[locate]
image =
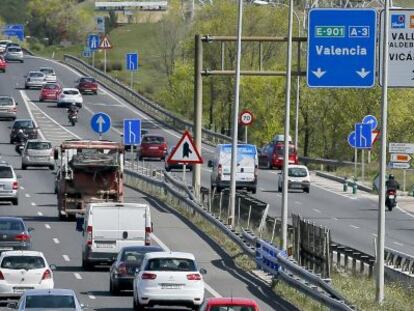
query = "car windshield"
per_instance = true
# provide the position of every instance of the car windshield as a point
(90, 80)
(171, 264)
(6, 172)
(47, 70)
(297, 172)
(14, 50)
(36, 74)
(6, 101)
(11, 224)
(23, 124)
(23, 262)
(153, 140)
(50, 301)
(38, 145)
(51, 86)
(231, 308)
(71, 92)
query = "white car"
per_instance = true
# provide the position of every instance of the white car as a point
(168, 278)
(69, 96)
(22, 270)
(49, 73)
(298, 178)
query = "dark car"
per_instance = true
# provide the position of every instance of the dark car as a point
(175, 166)
(27, 125)
(153, 146)
(122, 272)
(87, 85)
(14, 234)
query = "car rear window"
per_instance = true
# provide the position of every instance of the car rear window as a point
(50, 301)
(132, 256)
(38, 145)
(36, 74)
(232, 308)
(297, 172)
(14, 50)
(71, 92)
(11, 224)
(90, 80)
(153, 140)
(6, 101)
(6, 172)
(280, 150)
(51, 86)
(171, 264)
(23, 124)
(23, 262)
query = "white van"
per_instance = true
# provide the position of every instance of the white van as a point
(246, 173)
(107, 227)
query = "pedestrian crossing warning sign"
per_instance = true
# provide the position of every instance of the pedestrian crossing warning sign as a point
(185, 151)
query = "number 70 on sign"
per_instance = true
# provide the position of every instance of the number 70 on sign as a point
(246, 117)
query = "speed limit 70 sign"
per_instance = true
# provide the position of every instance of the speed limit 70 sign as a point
(246, 117)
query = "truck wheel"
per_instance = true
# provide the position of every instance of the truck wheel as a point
(86, 265)
(15, 201)
(24, 167)
(51, 167)
(253, 190)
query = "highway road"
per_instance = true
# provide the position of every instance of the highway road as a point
(62, 244)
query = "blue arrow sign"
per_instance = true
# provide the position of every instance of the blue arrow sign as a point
(371, 120)
(131, 61)
(93, 42)
(361, 138)
(14, 30)
(341, 48)
(100, 122)
(132, 132)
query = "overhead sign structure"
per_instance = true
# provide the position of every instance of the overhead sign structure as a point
(341, 48)
(14, 30)
(246, 117)
(400, 48)
(105, 44)
(361, 138)
(100, 123)
(401, 148)
(93, 42)
(399, 165)
(400, 157)
(185, 152)
(131, 61)
(132, 132)
(100, 24)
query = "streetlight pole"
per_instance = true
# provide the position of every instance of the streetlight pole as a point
(232, 199)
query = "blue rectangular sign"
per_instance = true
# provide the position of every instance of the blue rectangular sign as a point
(131, 61)
(132, 132)
(341, 48)
(363, 136)
(93, 42)
(14, 30)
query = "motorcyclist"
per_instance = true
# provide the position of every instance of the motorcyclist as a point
(73, 110)
(391, 183)
(21, 136)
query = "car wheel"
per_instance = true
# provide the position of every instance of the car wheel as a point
(196, 308)
(51, 167)
(22, 61)
(137, 306)
(26, 87)
(15, 201)
(24, 167)
(168, 169)
(140, 158)
(306, 190)
(86, 265)
(253, 190)
(40, 99)
(113, 288)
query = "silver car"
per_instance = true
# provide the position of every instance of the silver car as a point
(8, 107)
(9, 186)
(38, 152)
(14, 53)
(35, 79)
(49, 72)
(47, 299)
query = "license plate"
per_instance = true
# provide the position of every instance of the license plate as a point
(296, 186)
(105, 245)
(153, 148)
(391, 197)
(19, 290)
(2, 249)
(170, 286)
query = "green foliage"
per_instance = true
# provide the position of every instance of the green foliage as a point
(13, 11)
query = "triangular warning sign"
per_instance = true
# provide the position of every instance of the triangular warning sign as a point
(105, 44)
(185, 151)
(374, 136)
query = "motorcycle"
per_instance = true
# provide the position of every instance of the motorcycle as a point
(73, 118)
(19, 147)
(391, 199)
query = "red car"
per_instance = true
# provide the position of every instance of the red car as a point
(50, 91)
(3, 64)
(87, 85)
(239, 304)
(271, 155)
(152, 146)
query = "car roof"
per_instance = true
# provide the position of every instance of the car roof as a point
(10, 218)
(169, 255)
(142, 248)
(231, 301)
(87, 77)
(46, 68)
(69, 89)
(53, 291)
(22, 253)
(39, 141)
(22, 120)
(297, 166)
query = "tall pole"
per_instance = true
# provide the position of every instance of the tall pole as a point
(132, 79)
(297, 93)
(93, 58)
(105, 60)
(232, 199)
(379, 292)
(198, 109)
(362, 164)
(287, 127)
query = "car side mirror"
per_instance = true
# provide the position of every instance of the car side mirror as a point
(56, 154)
(79, 224)
(12, 305)
(210, 163)
(52, 267)
(203, 271)
(30, 229)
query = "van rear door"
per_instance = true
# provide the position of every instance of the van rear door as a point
(132, 223)
(105, 228)
(246, 163)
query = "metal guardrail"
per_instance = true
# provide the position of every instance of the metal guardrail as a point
(402, 262)
(330, 162)
(144, 104)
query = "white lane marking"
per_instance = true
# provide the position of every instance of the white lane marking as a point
(66, 258)
(374, 234)
(47, 226)
(39, 213)
(300, 203)
(355, 227)
(21, 187)
(405, 212)
(27, 195)
(27, 103)
(77, 276)
(317, 211)
(398, 243)
(56, 241)
(211, 290)
(160, 243)
(92, 297)
(33, 204)
(335, 218)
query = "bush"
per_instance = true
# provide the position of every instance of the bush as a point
(116, 66)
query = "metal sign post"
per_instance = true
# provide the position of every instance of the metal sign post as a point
(105, 60)
(362, 164)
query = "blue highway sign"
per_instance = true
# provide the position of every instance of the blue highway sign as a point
(131, 61)
(93, 42)
(100, 122)
(361, 138)
(132, 132)
(341, 48)
(14, 30)
(371, 120)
